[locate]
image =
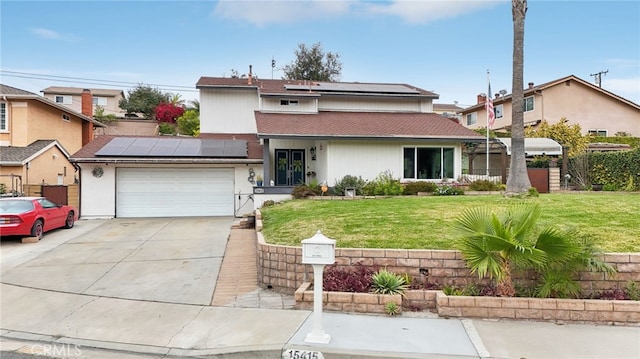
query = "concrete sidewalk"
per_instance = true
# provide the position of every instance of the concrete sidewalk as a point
(243, 323)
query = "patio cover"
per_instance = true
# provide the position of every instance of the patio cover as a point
(536, 146)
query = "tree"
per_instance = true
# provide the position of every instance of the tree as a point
(100, 115)
(493, 244)
(189, 123)
(167, 112)
(313, 64)
(194, 105)
(565, 134)
(518, 180)
(143, 99)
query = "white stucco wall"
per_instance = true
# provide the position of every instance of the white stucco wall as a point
(228, 110)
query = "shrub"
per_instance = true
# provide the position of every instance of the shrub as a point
(268, 203)
(485, 185)
(385, 282)
(384, 185)
(165, 128)
(412, 188)
(349, 181)
(356, 279)
(304, 191)
(448, 190)
(391, 308)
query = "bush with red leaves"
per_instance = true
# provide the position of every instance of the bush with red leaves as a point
(356, 279)
(166, 112)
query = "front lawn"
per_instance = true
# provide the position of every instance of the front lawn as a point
(411, 222)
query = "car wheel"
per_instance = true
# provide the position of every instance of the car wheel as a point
(38, 229)
(70, 220)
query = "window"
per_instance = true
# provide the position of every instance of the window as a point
(4, 117)
(428, 162)
(100, 101)
(65, 100)
(528, 104)
(498, 110)
(66, 117)
(601, 133)
(472, 118)
(288, 102)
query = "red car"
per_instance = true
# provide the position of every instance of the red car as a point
(32, 216)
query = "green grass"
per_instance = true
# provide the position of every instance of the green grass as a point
(613, 219)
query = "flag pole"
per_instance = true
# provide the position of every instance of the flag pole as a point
(487, 99)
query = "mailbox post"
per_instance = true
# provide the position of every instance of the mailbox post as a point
(318, 251)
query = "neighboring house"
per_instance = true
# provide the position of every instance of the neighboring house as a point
(36, 137)
(71, 97)
(596, 110)
(449, 110)
(290, 132)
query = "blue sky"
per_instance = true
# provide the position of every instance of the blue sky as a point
(443, 46)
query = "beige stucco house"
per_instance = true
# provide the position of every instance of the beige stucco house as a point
(595, 109)
(37, 137)
(71, 97)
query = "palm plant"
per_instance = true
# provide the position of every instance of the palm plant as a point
(494, 244)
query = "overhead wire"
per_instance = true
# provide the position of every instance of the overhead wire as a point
(89, 81)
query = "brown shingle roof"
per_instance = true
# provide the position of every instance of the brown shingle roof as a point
(78, 91)
(362, 125)
(9, 90)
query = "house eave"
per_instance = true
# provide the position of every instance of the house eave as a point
(140, 160)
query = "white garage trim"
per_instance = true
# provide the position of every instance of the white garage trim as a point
(174, 192)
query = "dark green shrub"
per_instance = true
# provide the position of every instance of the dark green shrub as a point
(165, 128)
(618, 169)
(484, 185)
(349, 181)
(304, 191)
(412, 188)
(383, 185)
(539, 162)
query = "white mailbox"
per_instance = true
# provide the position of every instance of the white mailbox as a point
(318, 250)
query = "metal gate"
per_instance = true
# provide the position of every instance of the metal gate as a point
(539, 178)
(58, 194)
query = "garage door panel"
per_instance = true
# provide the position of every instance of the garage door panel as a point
(166, 192)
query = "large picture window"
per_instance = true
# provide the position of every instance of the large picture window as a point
(428, 162)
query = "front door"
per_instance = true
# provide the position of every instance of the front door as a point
(289, 167)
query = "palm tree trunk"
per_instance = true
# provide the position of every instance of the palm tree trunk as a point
(505, 284)
(518, 180)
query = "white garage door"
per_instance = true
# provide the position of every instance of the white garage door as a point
(174, 192)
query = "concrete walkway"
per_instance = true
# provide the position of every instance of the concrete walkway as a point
(60, 298)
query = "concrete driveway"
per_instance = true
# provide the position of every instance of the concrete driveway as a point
(171, 260)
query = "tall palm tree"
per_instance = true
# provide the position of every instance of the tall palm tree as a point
(494, 244)
(518, 180)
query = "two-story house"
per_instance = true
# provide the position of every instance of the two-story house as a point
(595, 109)
(289, 132)
(71, 97)
(37, 136)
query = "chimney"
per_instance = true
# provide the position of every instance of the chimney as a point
(530, 85)
(87, 103)
(250, 77)
(481, 98)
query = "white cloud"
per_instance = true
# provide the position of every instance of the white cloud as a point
(421, 12)
(265, 12)
(51, 34)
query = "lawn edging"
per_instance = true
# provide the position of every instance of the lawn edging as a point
(346, 301)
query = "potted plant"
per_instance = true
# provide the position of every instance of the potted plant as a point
(259, 180)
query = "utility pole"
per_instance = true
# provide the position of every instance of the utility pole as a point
(598, 76)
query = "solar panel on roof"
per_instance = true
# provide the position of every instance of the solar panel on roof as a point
(354, 87)
(173, 147)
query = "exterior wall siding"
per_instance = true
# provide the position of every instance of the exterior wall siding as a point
(374, 104)
(228, 111)
(362, 158)
(45, 122)
(272, 104)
